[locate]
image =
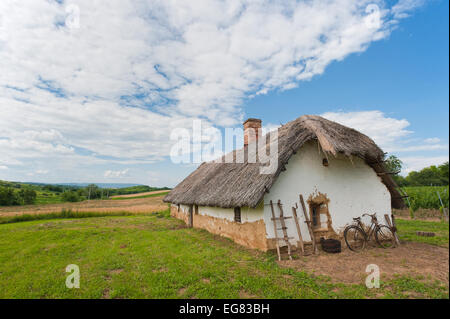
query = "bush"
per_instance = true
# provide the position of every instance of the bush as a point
(27, 196)
(70, 196)
(8, 197)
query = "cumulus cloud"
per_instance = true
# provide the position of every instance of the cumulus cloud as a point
(385, 131)
(392, 136)
(114, 85)
(416, 163)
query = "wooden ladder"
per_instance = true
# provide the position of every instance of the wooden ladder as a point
(308, 222)
(283, 227)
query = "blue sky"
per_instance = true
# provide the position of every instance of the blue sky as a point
(405, 75)
(92, 93)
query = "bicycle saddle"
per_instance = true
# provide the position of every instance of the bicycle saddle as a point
(357, 218)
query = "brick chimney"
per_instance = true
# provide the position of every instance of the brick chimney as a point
(252, 129)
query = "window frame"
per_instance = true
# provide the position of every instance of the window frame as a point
(237, 215)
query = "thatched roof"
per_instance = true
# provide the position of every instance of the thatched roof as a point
(230, 185)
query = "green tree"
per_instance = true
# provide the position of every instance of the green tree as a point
(443, 172)
(394, 164)
(8, 197)
(93, 191)
(70, 196)
(427, 176)
(27, 196)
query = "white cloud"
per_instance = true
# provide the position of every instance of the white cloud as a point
(403, 8)
(432, 140)
(116, 174)
(115, 87)
(3, 167)
(385, 131)
(416, 163)
(389, 133)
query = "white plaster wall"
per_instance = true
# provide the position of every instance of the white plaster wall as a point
(247, 214)
(352, 187)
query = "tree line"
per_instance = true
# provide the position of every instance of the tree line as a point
(428, 176)
(14, 193)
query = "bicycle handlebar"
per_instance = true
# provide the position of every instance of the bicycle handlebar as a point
(370, 215)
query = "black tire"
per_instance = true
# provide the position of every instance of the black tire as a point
(384, 237)
(355, 238)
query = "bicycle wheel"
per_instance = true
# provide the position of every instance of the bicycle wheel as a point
(384, 237)
(355, 238)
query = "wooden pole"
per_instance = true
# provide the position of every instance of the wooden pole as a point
(300, 239)
(275, 230)
(190, 217)
(391, 225)
(308, 222)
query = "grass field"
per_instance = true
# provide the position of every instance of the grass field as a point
(155, 256)
(408, 229)
(47, 198)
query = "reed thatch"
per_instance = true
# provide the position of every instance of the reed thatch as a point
(230, 185)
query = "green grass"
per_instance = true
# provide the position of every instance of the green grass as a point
(141, 196)
(47, 198)
(155, 256)
(63, 214)
(407, 231)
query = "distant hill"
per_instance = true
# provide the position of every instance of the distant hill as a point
(101, 185)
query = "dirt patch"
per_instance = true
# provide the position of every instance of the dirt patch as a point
(105, 294)
(181, 291)
(159, 270)
(206, 280)
(116, 271)
(410, 258)
(245, 295)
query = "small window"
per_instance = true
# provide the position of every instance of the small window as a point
(178, 207)
(315, 216)
(237, 214)
(196, 209)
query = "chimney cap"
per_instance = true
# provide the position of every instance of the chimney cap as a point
(253, 120)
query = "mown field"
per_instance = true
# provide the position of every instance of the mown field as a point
(156, 256)
(146, 204)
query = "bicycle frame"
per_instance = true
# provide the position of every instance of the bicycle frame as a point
(372, 228)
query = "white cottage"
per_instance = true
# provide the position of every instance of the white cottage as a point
(338, 170)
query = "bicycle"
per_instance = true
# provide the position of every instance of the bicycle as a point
(356, 237)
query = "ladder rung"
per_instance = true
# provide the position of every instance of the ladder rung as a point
(284, 217)
(284, 238)
(281, 228)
